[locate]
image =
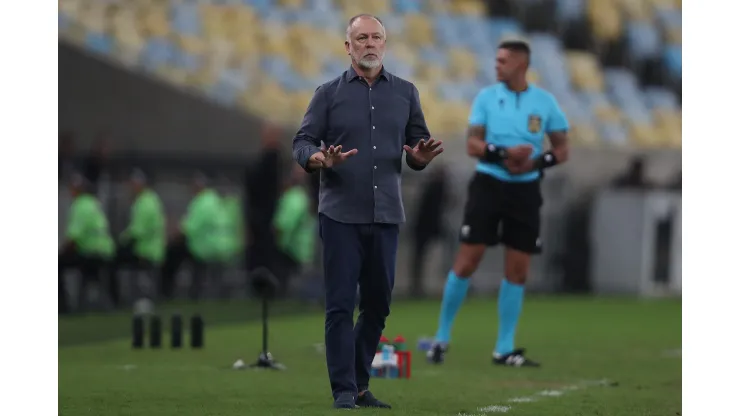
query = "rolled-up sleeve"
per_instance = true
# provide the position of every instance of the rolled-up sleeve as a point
(308, 138)
(416, 128)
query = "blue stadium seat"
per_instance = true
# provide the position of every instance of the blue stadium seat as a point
(661, 98)
(185, 19)
(570, 10)
(614, 134)
(99, 42)
(672, 59)
(64, 21)
(643, 40)
(230, 84)
(408, 6)
(156, 52)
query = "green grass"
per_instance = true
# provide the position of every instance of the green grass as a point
(577, 339)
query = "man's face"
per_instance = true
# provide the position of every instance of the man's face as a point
(509, 64)
(366, 44)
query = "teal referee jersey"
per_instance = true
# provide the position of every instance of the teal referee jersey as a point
(515, 118)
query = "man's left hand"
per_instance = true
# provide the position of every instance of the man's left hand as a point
(424, 151)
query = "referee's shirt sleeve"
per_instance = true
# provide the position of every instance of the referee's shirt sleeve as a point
(477, 115)
(556, 120)
(313, 128)
(416, 128)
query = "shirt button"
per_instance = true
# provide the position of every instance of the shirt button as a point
(374, 147)
(373, 127)
(376, 186)
(372, 108)
(371, 89)
(375, 167)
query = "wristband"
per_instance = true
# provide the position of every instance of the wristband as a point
(546, 160)
(494, 154)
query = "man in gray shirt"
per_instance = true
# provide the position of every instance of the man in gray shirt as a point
(366, 118)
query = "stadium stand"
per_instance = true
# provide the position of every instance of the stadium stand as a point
(268, 56)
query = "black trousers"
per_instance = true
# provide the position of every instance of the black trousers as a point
(126, 258)
(177, 254)
(422, 241)
(92, 268)
(363, 254)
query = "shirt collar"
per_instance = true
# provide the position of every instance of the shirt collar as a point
(351, 75)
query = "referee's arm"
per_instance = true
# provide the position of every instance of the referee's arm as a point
(557, 131)
(476, 143)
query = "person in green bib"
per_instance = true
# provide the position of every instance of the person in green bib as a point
(295, 228)
(233, 223)
(199, 240)
(87, 246)
(142, 243)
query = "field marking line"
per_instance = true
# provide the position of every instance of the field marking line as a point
(539, 396)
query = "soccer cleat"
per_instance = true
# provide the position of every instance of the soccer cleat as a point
(368, 400)
(436, 354)
(345, 401)
(515, 358)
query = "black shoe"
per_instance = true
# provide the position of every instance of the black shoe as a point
(368, 400)
(515, 358)
(345, 401)
(436, 354)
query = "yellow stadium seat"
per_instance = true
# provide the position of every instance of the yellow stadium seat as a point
(299, 103)
(662, 4)
(406, 53)
(533, 76)
(605, 19)
(129, 44)
(352, 8)
(468, 7)
(674, 35)
(637, 9)
(438, 6)
(643, 135)
(177, 76)
(463, 64)
(453, 118)
(291, 4)
(419, 30)
(432, 74)
(608, 113)
(584, 134)
(585, 71)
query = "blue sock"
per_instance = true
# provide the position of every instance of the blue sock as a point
(455, 291)
(510, 298)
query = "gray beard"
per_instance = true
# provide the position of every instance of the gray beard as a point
(369, 63)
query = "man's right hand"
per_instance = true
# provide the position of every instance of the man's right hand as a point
(328, 158)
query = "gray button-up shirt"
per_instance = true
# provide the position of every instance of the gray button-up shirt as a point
(376, 120)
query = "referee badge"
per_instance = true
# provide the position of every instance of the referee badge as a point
(534, 124)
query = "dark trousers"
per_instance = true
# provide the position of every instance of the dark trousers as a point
(91, 268)
(176, 255)
(363, 254)
(422, 241)
(127, 259)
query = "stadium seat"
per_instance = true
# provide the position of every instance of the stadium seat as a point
(268, 56)
(585, 71)
(419, 31)
(605, 18)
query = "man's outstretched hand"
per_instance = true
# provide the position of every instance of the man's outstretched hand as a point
(424, 151)
(330, 157)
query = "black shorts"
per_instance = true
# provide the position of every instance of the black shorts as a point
(502, 212)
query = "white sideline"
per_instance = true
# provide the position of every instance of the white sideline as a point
(482, 411)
